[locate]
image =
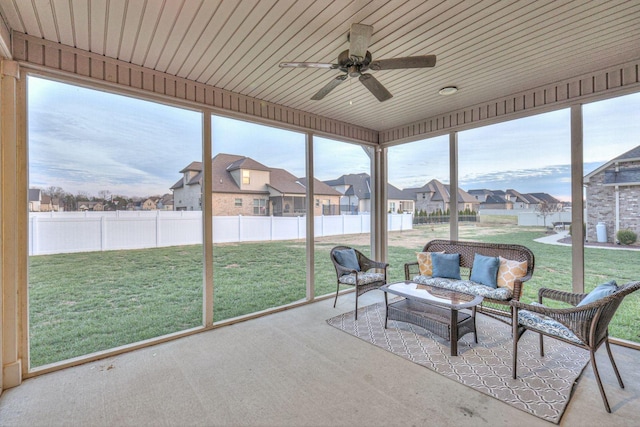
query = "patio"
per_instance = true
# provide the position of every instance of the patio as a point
(204, 379)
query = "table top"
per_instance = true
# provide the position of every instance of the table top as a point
(432, 295)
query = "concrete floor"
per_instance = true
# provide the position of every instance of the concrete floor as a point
(289, 369)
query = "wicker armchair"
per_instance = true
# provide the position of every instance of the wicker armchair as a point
(584, 326)
(364, 280)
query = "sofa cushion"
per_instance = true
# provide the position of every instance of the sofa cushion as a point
(466, 287)
(425, 264)
(509, 271)
(485, 270)
(365, 278)
(347, 258)
(599, 292)
(446, 265)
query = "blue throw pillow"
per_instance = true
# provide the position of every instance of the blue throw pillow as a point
(485, 270)
(348, 259)
(446, 265)
(600, 291)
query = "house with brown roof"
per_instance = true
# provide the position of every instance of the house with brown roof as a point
(243, 186)
(355, 189)
(434, 196)
(613, 196)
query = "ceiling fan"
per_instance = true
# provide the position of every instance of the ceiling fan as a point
(357, 59)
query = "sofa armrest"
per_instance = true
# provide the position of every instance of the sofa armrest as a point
(558, 295)
(411, 270)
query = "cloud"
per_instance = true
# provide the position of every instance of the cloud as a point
(88, 140)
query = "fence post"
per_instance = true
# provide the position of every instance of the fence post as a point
(34, 235)
(239, 228)
(157, 229)
(270, 227)
(103, 231)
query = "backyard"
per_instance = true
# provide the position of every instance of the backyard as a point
(87, 302)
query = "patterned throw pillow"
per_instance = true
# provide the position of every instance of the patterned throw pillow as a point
(425, 263)
(509, 271)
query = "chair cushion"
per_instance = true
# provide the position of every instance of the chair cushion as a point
(542, 323)
(347, 258)
(599, 292)
(446, 265)
(466, 287)
(485, 270)
(364, 278)
(509, 271)
(425, 263)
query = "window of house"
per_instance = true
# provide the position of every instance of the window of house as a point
(238, 203)
(246, 177)
(259, 206)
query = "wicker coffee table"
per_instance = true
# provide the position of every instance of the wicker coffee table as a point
(434, 309)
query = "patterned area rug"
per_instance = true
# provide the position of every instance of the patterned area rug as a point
(544, 384)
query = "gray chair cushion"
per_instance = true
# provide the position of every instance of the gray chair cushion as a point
(542, 323)
(364, 278)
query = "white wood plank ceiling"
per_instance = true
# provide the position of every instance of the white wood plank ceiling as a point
(487, 48)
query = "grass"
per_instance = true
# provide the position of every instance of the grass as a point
(87, 302)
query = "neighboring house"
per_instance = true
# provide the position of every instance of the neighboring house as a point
(496, 202)
(243, 186)
(481, 195)
(520, 201)
(434, 196)
(39, 202)
(554, 204)
(165, 203)
(150, 204)
(613, 196)
(86, 205)
(356, 195)
(492, 199)
(35, 195)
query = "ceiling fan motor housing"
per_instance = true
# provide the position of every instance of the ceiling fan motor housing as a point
(352, 65)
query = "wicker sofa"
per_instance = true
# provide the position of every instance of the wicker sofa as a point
(496, 300)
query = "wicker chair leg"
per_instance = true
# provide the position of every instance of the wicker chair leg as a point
(613, 363)
(514, 366)
(541, 345)
(336, 299)
(595, 371)
(356, 312)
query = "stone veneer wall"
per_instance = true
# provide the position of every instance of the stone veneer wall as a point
(601, 206)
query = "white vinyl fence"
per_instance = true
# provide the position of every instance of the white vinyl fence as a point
(65, 232)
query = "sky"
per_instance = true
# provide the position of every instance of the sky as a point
(89, 141)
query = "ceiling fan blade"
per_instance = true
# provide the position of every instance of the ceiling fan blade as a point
(329, 87)
(375, 87)
(308, 65)
(359, 38)
(423, 61)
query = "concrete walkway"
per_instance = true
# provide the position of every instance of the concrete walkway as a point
(554, 239)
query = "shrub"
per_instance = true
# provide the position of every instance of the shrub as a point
(626, 237)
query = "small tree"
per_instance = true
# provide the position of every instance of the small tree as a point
(545, 209)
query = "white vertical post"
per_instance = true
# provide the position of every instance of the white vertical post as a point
(103, 233)
(157, 229)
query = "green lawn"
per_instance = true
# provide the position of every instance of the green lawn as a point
(87, 302)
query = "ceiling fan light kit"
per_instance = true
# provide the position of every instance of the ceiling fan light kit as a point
(357, 59)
